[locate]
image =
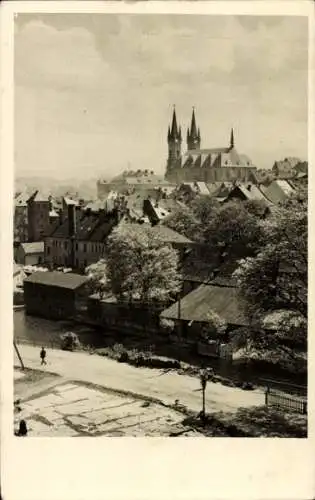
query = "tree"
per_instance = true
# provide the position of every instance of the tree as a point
(97, 277)
(274, 282)
(69, 341)
(216, 326)
(140, 266)
(185, 222)
(203, 208)
(233, 231)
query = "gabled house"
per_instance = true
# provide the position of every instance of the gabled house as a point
(30, 254)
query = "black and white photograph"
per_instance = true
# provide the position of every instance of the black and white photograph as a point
(160, 242)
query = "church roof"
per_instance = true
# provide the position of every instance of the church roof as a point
(216, 157)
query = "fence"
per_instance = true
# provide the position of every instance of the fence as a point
(285, 386)
(289, 402)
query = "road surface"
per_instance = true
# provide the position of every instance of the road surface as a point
(147, 382)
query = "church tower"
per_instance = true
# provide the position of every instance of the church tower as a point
(193, 135)
(174, 140)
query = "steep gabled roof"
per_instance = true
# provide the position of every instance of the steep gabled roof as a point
(277, 191)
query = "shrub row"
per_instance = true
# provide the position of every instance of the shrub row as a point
(119, 353)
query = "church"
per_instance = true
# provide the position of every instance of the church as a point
(222, 164)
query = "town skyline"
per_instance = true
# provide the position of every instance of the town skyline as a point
(96, 118)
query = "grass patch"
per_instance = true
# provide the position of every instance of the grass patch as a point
(32, 376)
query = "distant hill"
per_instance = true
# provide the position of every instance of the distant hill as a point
(57, 187)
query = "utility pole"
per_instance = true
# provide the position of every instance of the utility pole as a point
(18, 354)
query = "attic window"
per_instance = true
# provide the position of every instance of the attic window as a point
(226, 163)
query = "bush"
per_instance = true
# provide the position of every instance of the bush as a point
(69, 341)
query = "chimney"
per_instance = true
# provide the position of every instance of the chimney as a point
(72, 220)
(72, 233)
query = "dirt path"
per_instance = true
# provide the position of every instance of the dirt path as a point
(166, 387)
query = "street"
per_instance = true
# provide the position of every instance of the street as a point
(151, 383)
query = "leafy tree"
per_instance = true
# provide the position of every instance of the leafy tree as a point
(274, 282)
(276, 278)
(203, 208)
(185, 222)
(97, 277)
(233, 231)
(216, 326)
(69, 341)
(140, 266)
(258, 208)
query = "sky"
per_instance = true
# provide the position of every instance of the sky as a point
(94, 93)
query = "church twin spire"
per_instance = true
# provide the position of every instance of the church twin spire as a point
(193, 133)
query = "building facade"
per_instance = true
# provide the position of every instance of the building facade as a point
(30, 254)
(203, 165)
(20, 221)
(79, 240)
(38, 213)
(130, 182)
(54, 295)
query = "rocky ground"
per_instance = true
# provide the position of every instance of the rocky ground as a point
(53, 406)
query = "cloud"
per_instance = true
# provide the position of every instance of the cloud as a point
(46, 57)
(98, 89)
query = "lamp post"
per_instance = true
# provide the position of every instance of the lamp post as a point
(203, 382)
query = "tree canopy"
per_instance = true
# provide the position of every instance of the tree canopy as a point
(140, 266)
(274, 282)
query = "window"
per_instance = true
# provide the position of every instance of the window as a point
(48, 250)
(85, 263)
(76, 246)
(65, 245)
(84, 247)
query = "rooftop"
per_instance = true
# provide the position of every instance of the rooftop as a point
(57, 279)
(34, 247)
(163, 233)
(206, 299)
(89, 226)
(277, 191)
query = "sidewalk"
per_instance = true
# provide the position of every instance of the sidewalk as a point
(166, 387)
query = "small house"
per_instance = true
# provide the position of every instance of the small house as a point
(191, 313)
(30, 254)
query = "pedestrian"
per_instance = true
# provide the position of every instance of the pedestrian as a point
(22, 429)
(43, 356)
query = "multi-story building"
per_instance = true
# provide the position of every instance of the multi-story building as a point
(130, 182)
(204, 165)
(38, 213)
(21, 218)
(79, 240)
